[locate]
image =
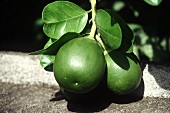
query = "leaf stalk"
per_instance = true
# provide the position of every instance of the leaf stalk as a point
(93, 28)
(102, 44)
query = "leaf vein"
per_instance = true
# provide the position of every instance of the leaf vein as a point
(107, 33)
(72, 18)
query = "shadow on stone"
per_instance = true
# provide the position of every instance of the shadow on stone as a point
(58, 96)
(87, 107)
(143, 65)
(161, 73)
(102, 101)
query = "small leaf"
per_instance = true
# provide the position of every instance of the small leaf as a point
(127, 33)
(61, 17)
(153, 2)
(46, 61)
(50, 41)
(109, 29)
(148, 50)
(55, 46)
(118, 5)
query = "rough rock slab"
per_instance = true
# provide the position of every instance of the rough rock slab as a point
(37, 99)
(21, 68)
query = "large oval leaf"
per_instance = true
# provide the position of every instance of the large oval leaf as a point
(51, 49)
(109, 29)
(153, 2)
(127, 33)
(61, 17)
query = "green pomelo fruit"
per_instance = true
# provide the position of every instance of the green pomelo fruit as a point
(79, 65)
(123, 72)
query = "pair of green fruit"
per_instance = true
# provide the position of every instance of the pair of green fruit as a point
(81, 69)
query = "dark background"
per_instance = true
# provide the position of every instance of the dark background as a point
(18, 31)
(17, 25)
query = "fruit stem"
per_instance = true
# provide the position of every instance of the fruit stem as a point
(93, 28)
(102, 44)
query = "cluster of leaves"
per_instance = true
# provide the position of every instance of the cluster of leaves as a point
(148, 44)
(153, 48)
(64, 21)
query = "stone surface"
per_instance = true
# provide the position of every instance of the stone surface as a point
(157, 80)
(22, 68)
(37, 99)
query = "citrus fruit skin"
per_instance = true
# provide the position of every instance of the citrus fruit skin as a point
(79, 65)
(123, 72)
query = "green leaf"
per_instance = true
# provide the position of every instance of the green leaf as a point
(127, 33)
(109, 29)
(153, 2)
(56, 45)
(46, 61)
(61, 17)
(50, 41)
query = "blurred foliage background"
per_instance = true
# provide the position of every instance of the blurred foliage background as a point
(21, 25)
